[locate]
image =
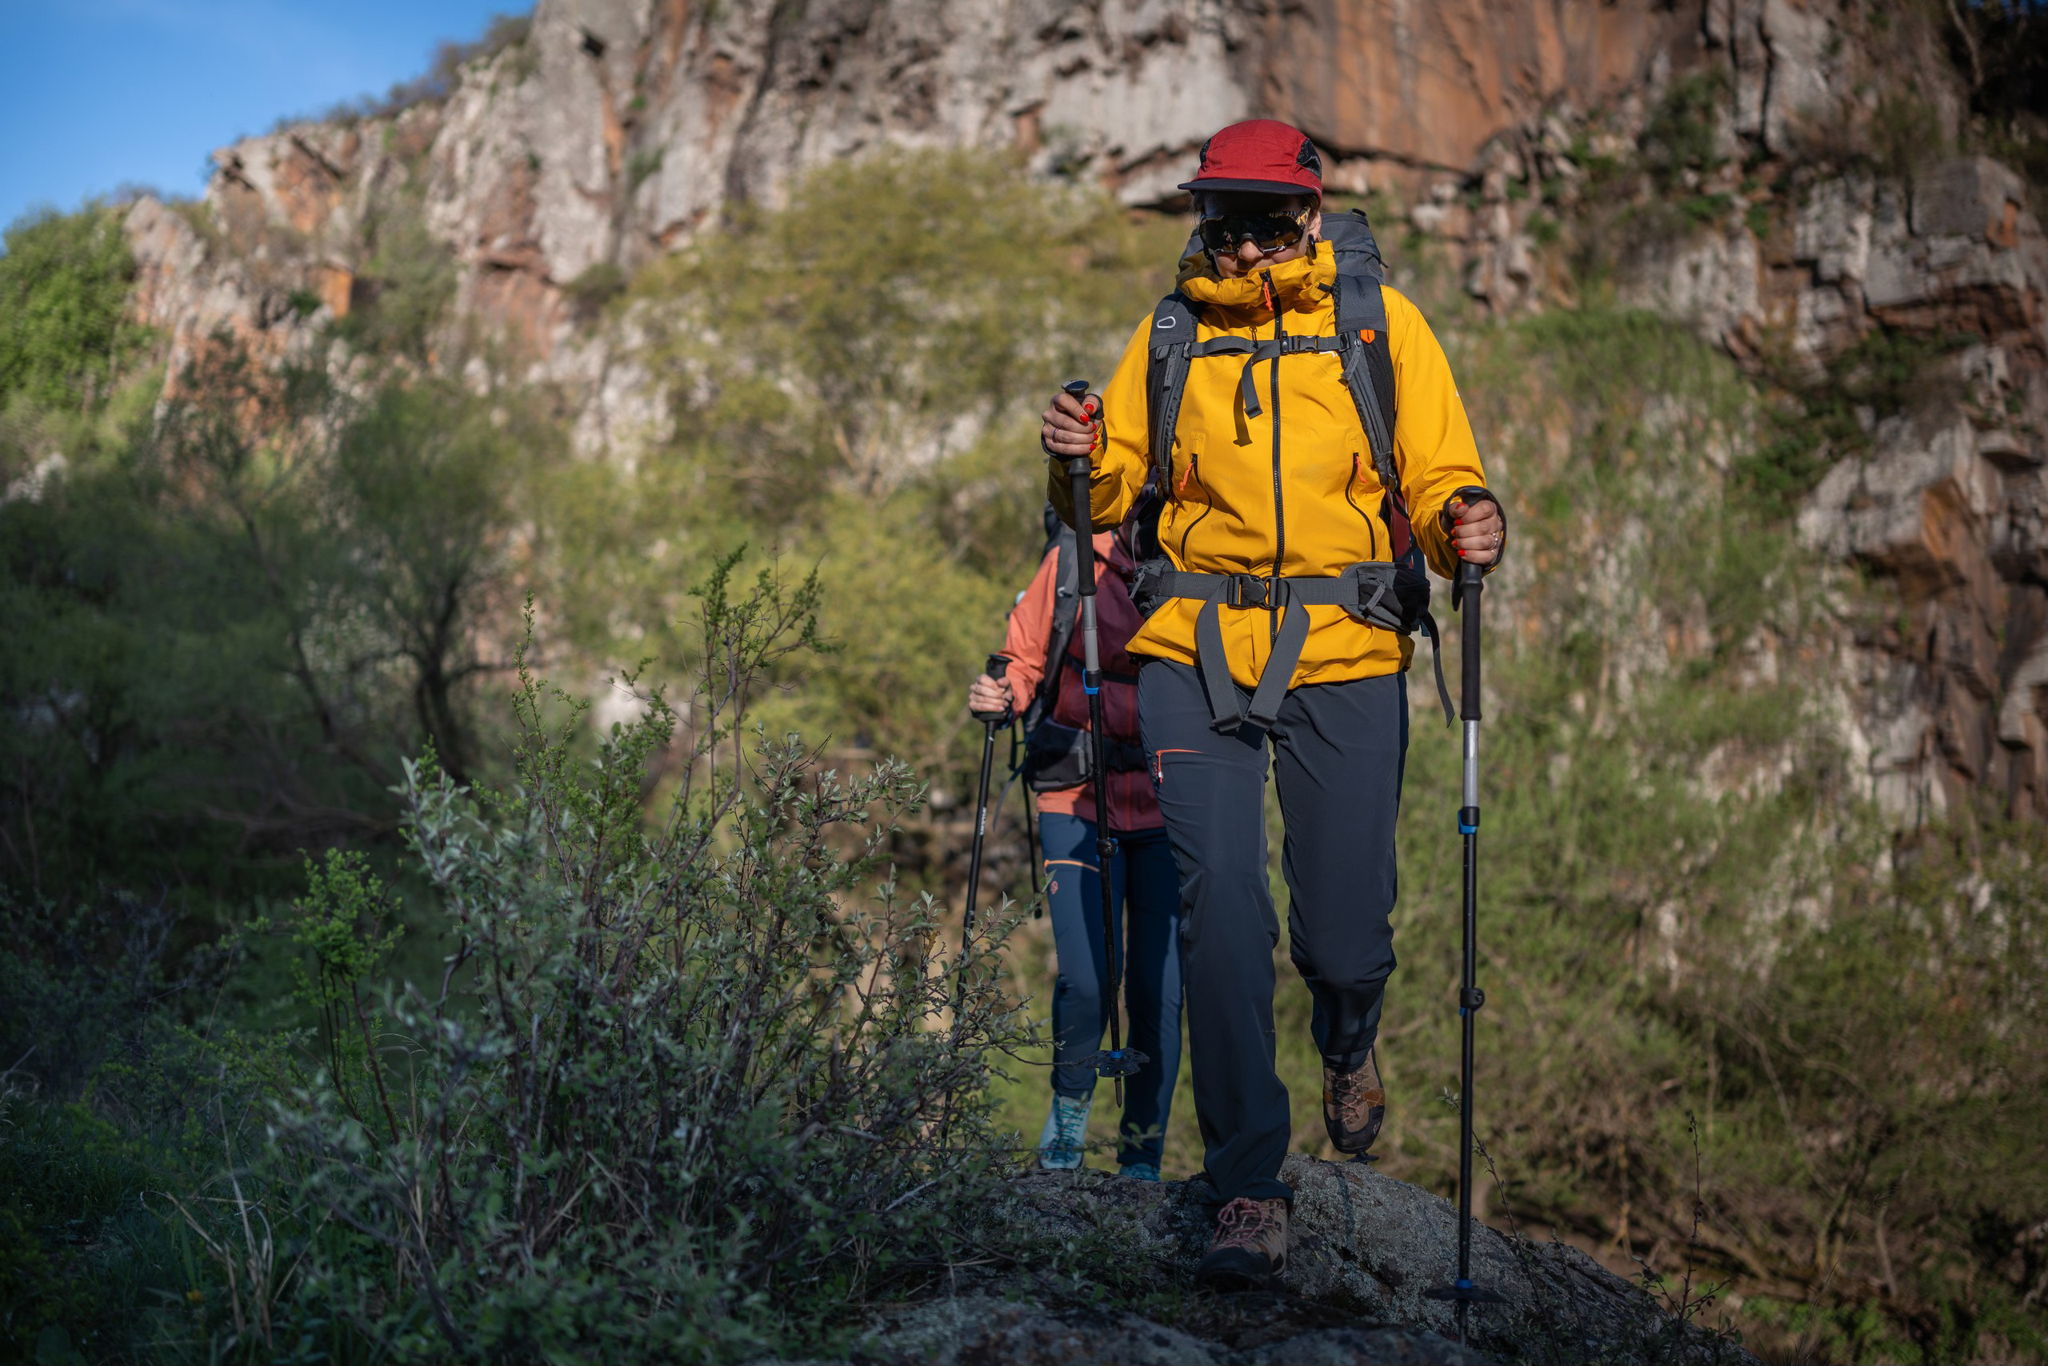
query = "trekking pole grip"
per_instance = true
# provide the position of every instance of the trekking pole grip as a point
(1471, 582)
(1079, 465)
(995, 668)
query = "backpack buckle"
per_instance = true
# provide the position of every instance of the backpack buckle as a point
(1250, 590)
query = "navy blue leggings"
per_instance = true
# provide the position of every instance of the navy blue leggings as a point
(1146, 890)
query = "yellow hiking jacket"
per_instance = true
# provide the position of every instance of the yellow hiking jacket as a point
(1292, 489)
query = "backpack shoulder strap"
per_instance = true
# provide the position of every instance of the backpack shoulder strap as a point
(1368, 363)
(1066, 607)
(1166, 379)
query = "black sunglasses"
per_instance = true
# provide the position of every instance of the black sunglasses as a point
(1266, 231)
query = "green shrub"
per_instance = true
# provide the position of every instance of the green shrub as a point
(596, 285)
(403, 288)
(696, 1080)
(231, 626)
(1819, 421)
(64, 327)
(1682, 133)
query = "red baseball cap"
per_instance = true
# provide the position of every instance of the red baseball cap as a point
(1262, 156)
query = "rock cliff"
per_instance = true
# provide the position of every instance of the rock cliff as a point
(617, 128)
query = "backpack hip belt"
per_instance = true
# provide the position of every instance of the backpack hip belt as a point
(1368, 592)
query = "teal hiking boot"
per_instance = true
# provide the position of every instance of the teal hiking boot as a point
(1141, 1171)
(1065, 1134)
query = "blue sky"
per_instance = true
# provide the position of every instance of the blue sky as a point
(95, 94)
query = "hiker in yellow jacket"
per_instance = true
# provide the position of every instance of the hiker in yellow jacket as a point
(1282, 543)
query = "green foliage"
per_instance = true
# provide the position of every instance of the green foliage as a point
(1880, 1086)
(855, 383)
(597, 284)
(340, 926)
(1686, 900)
(1682, 134)
(1906, 131)
(641, 165)
(695, 1080)
(1885, 375)
(403, 288)
(889, 303)
(64, 331)
(233, 623)
(81, 1257)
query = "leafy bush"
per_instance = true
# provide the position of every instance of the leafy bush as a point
(857, 380)
(1682, 134)
(697, 1082)
(232, 624)
(1690, 914)
(1821, 420)
(405, 288)
(64, 329)
(596, 285)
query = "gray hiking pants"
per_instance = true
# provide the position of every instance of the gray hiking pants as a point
(1337, 755)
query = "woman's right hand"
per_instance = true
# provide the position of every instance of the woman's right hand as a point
(1069, 427)
(987, 696)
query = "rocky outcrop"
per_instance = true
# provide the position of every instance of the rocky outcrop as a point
(1364, 1252)
(618, 128)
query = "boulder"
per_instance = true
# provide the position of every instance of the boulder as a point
(1365, 1251)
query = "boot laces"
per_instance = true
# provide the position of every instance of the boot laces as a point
(1253, 1225)
(1354, 1093)
(1069, 1122)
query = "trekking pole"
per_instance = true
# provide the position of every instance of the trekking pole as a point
(1116, 1062)
(1031, 849)
(1016, 771)
(992, 721)
(1471, 579)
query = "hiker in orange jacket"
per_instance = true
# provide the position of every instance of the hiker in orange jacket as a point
(1281, 536)
(1142, 876)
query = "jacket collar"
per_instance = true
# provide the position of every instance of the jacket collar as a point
(1301, 284)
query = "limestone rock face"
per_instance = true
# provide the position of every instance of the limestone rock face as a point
(1946, 504)
(617, 129)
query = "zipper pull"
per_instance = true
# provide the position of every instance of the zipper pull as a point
(1181, 485)
(1266, 288)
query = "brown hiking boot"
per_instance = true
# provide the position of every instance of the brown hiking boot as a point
(1354, 1104)
(1250, 1247)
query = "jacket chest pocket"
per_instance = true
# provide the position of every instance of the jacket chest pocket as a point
(1191, 502)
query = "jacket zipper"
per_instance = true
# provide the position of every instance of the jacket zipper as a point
(1194, 458)
(1372, 532)
(1279, 502)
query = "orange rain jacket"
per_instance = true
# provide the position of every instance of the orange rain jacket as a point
(1293, 486)
(1132, 806)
